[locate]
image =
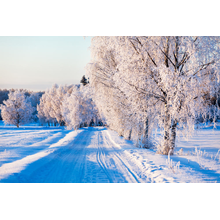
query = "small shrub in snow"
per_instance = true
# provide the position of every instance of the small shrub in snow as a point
(180, 152)
(169, 162)
(144, 142)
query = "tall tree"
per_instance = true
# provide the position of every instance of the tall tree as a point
(175, 73)
(163, 79)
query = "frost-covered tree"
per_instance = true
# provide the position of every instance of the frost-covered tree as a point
(164, 80)
(121, 113)
(78, 109)
(16, 110)
(44, 109)
(43, 113)
(174, 73)
(34, 99)
(49, 109)
(56, 94)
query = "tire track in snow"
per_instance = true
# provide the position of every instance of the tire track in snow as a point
(137, 171)
(117, 160)
(100, 162)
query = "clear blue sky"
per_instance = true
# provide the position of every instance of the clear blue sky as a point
(36, 63)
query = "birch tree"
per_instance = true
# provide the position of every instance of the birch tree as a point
(176, 73)
(121, 111)
(78, 109)
(16, 110)
(163, 79)
(49, 109)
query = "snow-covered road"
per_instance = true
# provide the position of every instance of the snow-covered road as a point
(99, 155)
(90, 157)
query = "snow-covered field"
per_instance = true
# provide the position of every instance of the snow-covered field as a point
(97, 155)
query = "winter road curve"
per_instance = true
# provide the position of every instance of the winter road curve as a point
(92, 157)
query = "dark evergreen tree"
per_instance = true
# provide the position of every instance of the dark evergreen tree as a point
(84, 81)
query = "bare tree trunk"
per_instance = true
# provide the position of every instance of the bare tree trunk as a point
(18, 120)
(166, 147)
(146, 134)
(166, 51)
(121, 133)
(173, 136)
(129, 136)
(176, 55)
(169, 134)
(62, 123)
(140, 136)
(146, 129)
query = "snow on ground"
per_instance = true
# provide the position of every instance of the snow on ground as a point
(43, 154)
(195, 160)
